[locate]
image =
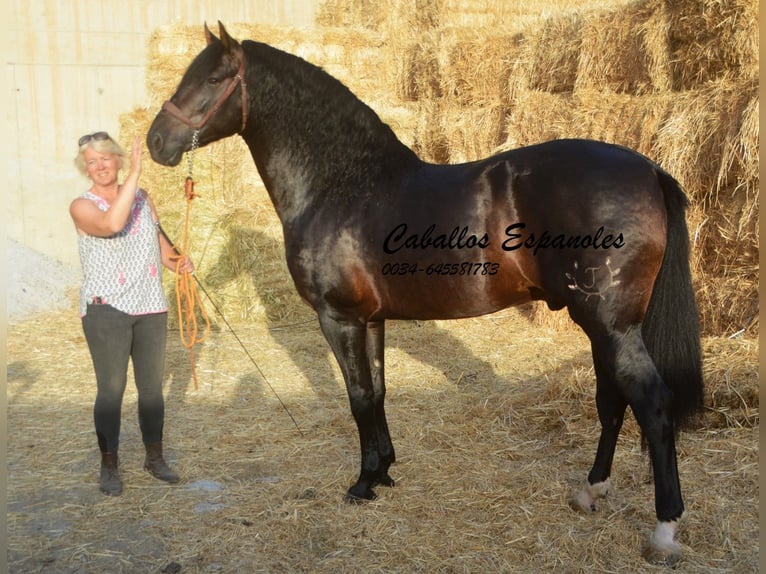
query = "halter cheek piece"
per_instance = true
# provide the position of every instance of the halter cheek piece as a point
(239, 78)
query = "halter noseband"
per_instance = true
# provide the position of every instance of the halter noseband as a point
(176, 112)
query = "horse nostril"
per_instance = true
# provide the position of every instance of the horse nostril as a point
(154, 141)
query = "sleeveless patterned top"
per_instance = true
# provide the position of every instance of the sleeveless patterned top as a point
(125, 269)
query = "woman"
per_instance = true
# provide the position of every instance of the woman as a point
(122, 303)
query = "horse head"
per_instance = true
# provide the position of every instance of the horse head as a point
(202, 110)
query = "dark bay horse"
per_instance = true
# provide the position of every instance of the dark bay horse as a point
(371, 232)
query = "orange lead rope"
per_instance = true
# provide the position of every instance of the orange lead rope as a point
(186, 293)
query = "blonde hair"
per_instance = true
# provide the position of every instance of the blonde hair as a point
(107, 145)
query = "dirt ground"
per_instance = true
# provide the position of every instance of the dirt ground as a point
(495, 427)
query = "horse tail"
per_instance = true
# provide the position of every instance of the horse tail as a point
(671, 328)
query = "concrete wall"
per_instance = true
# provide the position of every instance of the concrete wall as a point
(72, 67)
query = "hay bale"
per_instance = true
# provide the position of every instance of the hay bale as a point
(623, 119)
(345, 14)
(477, 14)
(417, 70)
(702, 127)
(413, 16)
(549, 58)
(625, 50)
(732, 394)
(712, 40)
(631, 121)
(476, 65)
(474, 132)
(708, 143)
(538, 116)
(430, 139)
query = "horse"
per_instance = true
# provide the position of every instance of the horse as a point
(372, 233)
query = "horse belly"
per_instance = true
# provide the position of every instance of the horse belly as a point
(450, 290)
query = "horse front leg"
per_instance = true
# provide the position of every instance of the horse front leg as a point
(375, 353)
(348, 340)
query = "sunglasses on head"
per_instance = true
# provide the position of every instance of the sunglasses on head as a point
(97, 136)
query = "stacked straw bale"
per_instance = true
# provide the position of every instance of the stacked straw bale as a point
(712, 40)
(624, 50)
(547, 60)
(460, 79)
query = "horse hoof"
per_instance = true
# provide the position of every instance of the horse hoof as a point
(585, 500)
(665, 556)
(582, 504)
(662, 549)
(360, 495)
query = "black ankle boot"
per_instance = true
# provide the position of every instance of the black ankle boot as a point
(156, 465)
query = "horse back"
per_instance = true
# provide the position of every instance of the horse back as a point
(450, 241)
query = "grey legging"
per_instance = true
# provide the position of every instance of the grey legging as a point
(113, 338)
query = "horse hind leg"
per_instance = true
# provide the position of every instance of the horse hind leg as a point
(611, 407)
(625, 361)
(650, 400)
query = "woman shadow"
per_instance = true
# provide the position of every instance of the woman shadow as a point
(424, 341)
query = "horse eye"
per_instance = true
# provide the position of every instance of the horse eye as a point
(213, 81)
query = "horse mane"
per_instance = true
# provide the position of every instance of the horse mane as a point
(332, 128)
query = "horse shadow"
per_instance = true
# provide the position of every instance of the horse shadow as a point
(418, 339)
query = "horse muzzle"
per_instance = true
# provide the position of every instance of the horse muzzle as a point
(160, 147)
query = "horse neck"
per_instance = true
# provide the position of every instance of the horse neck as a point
(310, 138)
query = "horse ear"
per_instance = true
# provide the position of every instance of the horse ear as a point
(229, 43)
(209, 36)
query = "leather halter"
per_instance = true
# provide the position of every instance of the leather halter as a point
(176, 112)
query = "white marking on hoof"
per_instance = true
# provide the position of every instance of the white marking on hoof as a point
(585, 500)
(662, 547)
